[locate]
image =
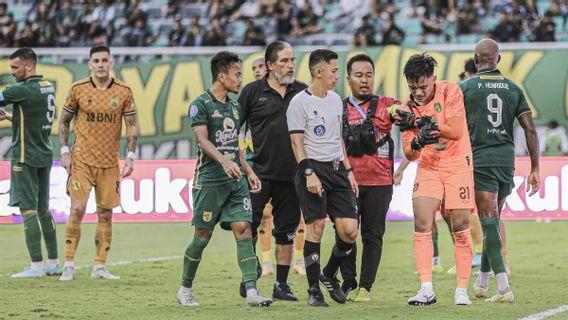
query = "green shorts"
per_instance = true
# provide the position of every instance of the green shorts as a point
(29, 187)
(224, 204)
(494, 179)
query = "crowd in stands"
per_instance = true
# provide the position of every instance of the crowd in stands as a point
(64, 23)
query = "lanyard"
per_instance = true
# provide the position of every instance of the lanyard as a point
(357, 107)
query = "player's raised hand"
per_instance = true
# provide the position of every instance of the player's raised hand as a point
(65, 162)
(127, 168)
(254, 182)
(428, 134)
(533, 183)
(405, 120)
(232, 169)
(313, 184)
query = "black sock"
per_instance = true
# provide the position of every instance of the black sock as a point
(282, 273)
(340, 250)
(312, 262)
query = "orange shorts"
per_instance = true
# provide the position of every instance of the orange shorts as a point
(105, 180)
(456, 187)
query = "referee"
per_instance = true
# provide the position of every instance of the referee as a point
(325, 183)
(263, 105)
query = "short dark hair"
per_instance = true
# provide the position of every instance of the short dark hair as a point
(320, 55)
(271, 53)
(26, 54)
(418, 66)
(222, 61)
(96, 49)
(470, 66)
(360, 57)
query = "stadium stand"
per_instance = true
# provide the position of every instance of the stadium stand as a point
(67, 23)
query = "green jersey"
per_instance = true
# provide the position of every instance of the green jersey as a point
(222, 121)
(492, 102)
(33, 114)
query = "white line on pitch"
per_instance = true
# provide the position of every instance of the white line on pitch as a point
(546, 314)
(123, 262)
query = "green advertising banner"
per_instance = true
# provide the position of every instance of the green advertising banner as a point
(164, 89)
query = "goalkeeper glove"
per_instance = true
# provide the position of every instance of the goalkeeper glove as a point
(428, 134)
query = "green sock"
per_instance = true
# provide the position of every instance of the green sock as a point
(49, 236)
(492, 244)
(191, 260)
(435, 240)
(246, 259)
(32, 233)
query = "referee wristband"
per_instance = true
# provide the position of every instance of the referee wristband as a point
(131, 155)
(64, 150)
(305, 164)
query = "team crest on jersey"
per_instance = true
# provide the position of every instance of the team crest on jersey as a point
(438, 107)
(114, 102)
(319, 130)
(207, 216)
(216, 114)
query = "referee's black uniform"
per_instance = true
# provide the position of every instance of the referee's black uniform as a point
(273, 160)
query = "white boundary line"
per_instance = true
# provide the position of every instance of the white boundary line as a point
(546, 314)
(122, 262)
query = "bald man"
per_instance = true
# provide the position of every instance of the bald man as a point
(492, 103)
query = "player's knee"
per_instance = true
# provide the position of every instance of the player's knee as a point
(350, 235)
(205, 234)
(241, 230)
(78, 211)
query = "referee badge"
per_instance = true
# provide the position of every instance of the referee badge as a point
(319, 130)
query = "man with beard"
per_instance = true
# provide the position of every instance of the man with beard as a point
(263, 105)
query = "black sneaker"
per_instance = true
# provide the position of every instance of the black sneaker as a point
(283, 292)
(315, 298)
(332, 286)
(242, 291)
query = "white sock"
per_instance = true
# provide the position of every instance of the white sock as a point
(464, 290)
(484, 279)
(52, 263)
(98, 266)
(69, 264)
(37, 266)
(502, 282)
(427, 286)
(251, 291)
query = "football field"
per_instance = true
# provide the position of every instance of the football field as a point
(147, 257)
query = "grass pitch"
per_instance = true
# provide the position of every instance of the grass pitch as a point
(537, 253)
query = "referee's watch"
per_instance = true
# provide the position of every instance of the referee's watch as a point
(308, 172)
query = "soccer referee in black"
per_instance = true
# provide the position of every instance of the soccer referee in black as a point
(263, 105)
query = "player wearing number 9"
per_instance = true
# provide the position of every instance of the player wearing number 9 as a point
(33, 113)
(492, 102)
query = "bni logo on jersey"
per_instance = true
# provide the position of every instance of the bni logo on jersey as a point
(319, 130)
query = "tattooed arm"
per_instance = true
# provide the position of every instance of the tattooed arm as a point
(131, 142)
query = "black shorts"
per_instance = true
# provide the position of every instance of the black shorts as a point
(337, 200)
(285, 209)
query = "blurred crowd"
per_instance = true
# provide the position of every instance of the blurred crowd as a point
(64, 23)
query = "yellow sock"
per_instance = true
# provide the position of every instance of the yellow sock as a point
(266, 256)
(299, 254)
